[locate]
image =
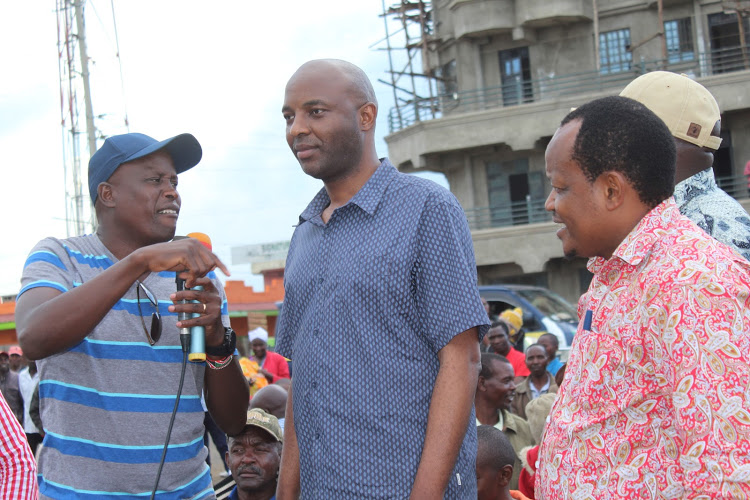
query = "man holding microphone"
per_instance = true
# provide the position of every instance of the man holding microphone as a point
(100, 313)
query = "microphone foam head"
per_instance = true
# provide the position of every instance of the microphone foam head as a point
(203, 238)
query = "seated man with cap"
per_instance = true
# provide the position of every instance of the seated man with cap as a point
(100, 313)
(254, 457)
(692, 116)
(272, 365)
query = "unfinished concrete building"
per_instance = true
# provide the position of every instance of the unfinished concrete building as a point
(507, 71)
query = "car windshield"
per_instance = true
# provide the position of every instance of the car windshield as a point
(550, 304)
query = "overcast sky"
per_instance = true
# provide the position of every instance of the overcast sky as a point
(214, 69)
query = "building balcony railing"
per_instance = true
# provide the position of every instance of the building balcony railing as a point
(527, 91)
(532, 210)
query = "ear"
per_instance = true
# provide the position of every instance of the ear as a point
(614, 187)
(504, 475)
(368, 113)
(480, 383)
(105, 194)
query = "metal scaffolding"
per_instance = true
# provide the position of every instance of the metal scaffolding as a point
(410, 47)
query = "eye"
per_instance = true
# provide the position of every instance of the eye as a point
(288, 118)
(317, 111)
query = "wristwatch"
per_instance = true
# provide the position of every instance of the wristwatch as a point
(226, 348)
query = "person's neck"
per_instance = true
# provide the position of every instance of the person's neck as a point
(539, 380)
(691, 160)
(486, 413)
(342, 189)
(265, 494)
(118, 244)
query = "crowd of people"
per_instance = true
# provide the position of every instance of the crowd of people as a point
(389, 378)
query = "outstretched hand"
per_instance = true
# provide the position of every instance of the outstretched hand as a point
(186, 256)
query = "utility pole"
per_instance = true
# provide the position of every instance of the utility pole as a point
(90, 128)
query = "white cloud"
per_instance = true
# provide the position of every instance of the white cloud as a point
(216, 70)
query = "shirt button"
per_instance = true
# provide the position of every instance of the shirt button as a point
(314, 385)
(317, 435)
(321, 279)
(316, 332)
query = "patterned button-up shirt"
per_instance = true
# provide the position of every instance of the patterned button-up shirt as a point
(370, 299)
(656, 397)
(717, 213)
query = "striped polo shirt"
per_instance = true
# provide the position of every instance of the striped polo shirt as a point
(106, 402)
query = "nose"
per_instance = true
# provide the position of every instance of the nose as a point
(513, 385)
(549, 204)
(248, 457)
(170, 191)
(298, 125)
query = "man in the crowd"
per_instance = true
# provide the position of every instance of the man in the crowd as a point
(271, 365)
(28, 380)
(500, 344)
(495, 460)
(272, 399)
(16, 358)
(654, 400)
(493, 399)
(692, 115)
(537, 383)
(381, 318)
(18, 478)
(100, 313)
(551, 345)
(254, 456)
(9, 387)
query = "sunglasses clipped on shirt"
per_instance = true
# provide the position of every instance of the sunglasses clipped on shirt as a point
(155, 334)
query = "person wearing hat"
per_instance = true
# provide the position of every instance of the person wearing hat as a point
(692, 115)
(100, 314)
(514, 317)
(16, 358)
(254, 457)
(654, 401)
(273, 366)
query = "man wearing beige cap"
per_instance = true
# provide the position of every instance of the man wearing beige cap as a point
(692, 116)
(254, 456)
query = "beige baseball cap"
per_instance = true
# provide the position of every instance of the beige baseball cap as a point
(688, 109)
(259, 418)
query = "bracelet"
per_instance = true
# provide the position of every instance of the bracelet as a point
(219, 363)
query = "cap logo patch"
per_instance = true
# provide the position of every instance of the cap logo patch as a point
(694, 130)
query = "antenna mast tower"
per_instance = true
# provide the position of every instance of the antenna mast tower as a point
(73, 70)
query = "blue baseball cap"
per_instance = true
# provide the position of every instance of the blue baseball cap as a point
(184, 149)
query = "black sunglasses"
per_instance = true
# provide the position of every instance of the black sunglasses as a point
(155, 334)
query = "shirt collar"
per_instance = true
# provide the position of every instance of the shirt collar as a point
(367, 198)
(703, 181)
(639, 242)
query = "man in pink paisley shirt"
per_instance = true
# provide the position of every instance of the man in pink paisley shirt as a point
(656, 397)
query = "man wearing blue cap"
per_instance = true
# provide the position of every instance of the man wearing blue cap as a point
(99, 312)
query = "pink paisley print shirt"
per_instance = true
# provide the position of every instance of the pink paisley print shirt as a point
(656, 397)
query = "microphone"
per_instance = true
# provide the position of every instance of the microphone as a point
(183, 316)
(198, 333)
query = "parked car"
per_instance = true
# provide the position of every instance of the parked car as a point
(543, 311)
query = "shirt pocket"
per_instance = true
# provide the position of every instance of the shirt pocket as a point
(381, 284)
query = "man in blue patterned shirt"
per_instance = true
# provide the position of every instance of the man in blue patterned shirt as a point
(381, 314)
(692, 116)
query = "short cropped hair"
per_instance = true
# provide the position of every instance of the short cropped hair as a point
(552, 337)
(494, 448)
(487, 359)
(622, 135)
